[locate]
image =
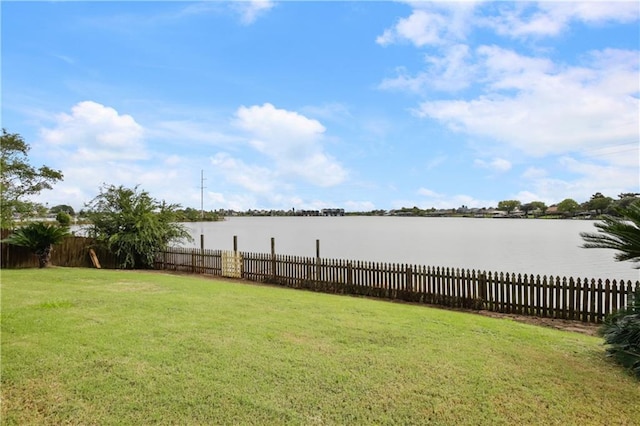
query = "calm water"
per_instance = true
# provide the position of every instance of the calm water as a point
(545, 247)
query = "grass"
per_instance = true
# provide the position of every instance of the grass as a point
(83, 346)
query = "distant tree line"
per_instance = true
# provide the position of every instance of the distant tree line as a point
(596, 206)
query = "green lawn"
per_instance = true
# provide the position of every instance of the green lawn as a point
(84, 346)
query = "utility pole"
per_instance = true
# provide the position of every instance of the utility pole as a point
(201, 207)
(202, 194)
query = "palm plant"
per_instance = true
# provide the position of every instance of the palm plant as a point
(39, 238)
(621, 332)
(618, 233)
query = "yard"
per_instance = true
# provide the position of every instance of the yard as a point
(85, 346)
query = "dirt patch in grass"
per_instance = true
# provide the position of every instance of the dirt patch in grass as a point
(559, 324)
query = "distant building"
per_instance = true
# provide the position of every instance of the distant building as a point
(332, 212)
(308, 213)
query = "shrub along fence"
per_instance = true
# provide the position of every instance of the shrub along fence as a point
(587, 300)
(72, 252)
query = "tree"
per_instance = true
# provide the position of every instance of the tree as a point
(63, 218)
(598, 202)
(39, 238)
(538, 205)
(133, 225)
(508, 205)
(618, 233)
(526, 208)
(192, 215)
(568, 206)
(18, 179)
(62, 208)
(624, 200)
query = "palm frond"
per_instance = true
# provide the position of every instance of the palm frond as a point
(618, 233)
(37, 236)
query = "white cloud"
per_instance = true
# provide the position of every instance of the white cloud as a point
(82, 181)
(285, 129)
(431, 24)
(248, 10)
(444, 201)
(429, 193)
(438, 23)
(192, 131)
(94, 132)
(292, 141)
(552, 18)
(519, 20)
(506, 69)
(252, 9)
(253, 178)
(608, 177)
(451, 71)
(233, 201)
(330, 111)
(527, 197)
(442, 28)
(581, 179)
(598, 11)
(421, 28)
(173, 160)
(359, 206)
(435, 162)
(542, 109)
(534, 173)
(497, 164)
(95, 144)
(406, 82)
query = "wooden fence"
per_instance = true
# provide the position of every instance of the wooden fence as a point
(587, 300)
(72, 252)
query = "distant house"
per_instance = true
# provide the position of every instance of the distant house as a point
(496, 213)
(307, 213)
(332, 212)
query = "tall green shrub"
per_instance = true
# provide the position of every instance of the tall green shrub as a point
(133, 225)
(621, 332)
(63, 218)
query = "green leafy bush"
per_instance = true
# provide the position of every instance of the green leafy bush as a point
(133, 225)
(63, 218)
(621, 332)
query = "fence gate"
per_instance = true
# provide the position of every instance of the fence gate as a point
(231, 264)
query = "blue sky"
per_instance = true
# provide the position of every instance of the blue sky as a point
(307, 105)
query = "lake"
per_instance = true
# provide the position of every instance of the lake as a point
(544, 247)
